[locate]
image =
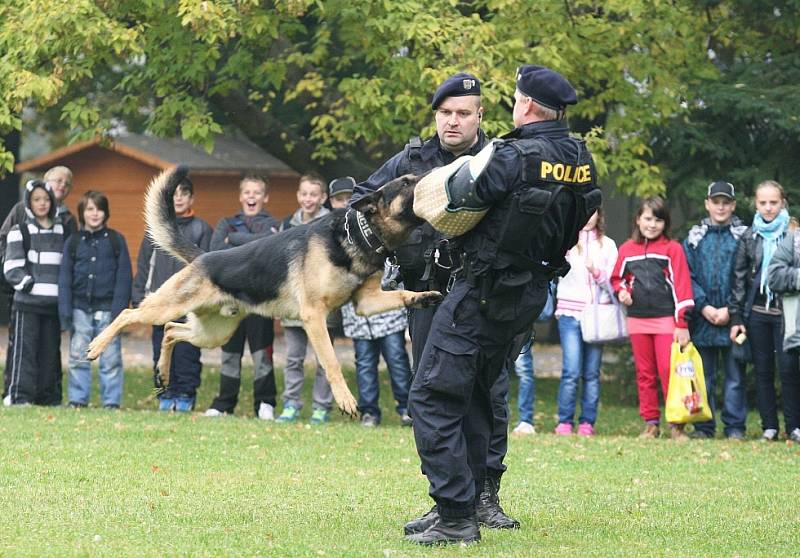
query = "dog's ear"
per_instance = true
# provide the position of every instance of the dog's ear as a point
(369, 203)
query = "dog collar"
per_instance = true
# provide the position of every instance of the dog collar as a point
(370, 236)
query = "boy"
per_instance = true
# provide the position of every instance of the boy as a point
(340, 190)
(251, 223)
(153, 268)
(710, 249)
(94, 286)
(31, 266)
(310, 196)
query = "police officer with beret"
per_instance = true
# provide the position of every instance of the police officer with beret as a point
(539, 188)
(426, 262)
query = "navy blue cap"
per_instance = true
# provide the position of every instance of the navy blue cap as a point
(458, 85)
(546, 87)
(343, 185)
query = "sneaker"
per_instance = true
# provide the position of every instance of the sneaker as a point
(111, 406)
(769, 435)
(736, 435)
(166, 404)
(650, 431)
(266, 411)
(289, 414)
(701, 435)
(406, 420)
(184, 404)
(524, 429)
(212, 412)
(75, 405)
(319, 416)
(585, 429)
(368, 420)
(7, 401)
(563, 429)
(794, 435)
(676, 432)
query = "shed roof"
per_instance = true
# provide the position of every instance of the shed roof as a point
(231, 155)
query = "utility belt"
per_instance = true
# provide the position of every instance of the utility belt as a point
(442, 263)
(500, 290)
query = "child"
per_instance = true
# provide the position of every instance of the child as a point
(153, 268)
(710, 252)
(652, 279)
(310, 196)
(94, 284)
(757, 311)
(340, 190)
(591, 262)
(251, 223)
(33, 255)
(372, 336)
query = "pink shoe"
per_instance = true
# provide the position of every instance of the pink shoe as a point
(564, 429)
(585, 429)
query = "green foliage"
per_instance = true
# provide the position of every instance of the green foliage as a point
(344, 83)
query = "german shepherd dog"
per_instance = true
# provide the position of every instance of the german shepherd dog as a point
(304, 272)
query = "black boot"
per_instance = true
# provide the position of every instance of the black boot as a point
(490, 513)
(420, 524)
(449, 530)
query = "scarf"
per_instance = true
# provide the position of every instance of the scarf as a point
(771, 233)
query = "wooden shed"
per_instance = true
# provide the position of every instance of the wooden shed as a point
(123, 168)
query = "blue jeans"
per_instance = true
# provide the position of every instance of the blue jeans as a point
(579, 361)
(86, 325)
(527, 385)
(393, 348)
(734, 405)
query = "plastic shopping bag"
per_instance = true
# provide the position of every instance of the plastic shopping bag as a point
(687, 400)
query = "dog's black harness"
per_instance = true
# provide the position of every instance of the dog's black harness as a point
(371, 237)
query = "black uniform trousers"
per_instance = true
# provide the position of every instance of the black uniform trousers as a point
(453, 391)
(419, 326)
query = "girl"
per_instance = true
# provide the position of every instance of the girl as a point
(652, 279)
(756, 311)
(592, 261)
(95, 286)
(32, 258)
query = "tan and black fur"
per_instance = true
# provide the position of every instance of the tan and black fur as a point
(303, 272)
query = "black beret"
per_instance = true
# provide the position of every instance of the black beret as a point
(459, 85)
(546, 87)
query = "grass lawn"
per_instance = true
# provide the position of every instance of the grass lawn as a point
(141, 483)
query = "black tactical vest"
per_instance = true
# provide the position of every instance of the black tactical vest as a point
(532, 229)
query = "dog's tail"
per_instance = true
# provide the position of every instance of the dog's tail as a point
(159, 214)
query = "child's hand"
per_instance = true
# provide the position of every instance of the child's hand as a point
(681, 336)
(625, 297)
(736, 330)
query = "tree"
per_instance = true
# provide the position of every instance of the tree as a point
(339, 85)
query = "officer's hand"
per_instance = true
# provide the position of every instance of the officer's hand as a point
(625, 297)
(681, 336)
(736, 330)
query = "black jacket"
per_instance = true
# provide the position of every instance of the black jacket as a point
(747, 279)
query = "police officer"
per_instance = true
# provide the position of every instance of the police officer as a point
(539, 188)
(426, 262)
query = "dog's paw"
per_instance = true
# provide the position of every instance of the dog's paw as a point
(425, 299)
(345, 400)
(93, 351)
(159, 385)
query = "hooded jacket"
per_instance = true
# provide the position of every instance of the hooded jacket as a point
(784, 278)
(34, 275)
(711, 252)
